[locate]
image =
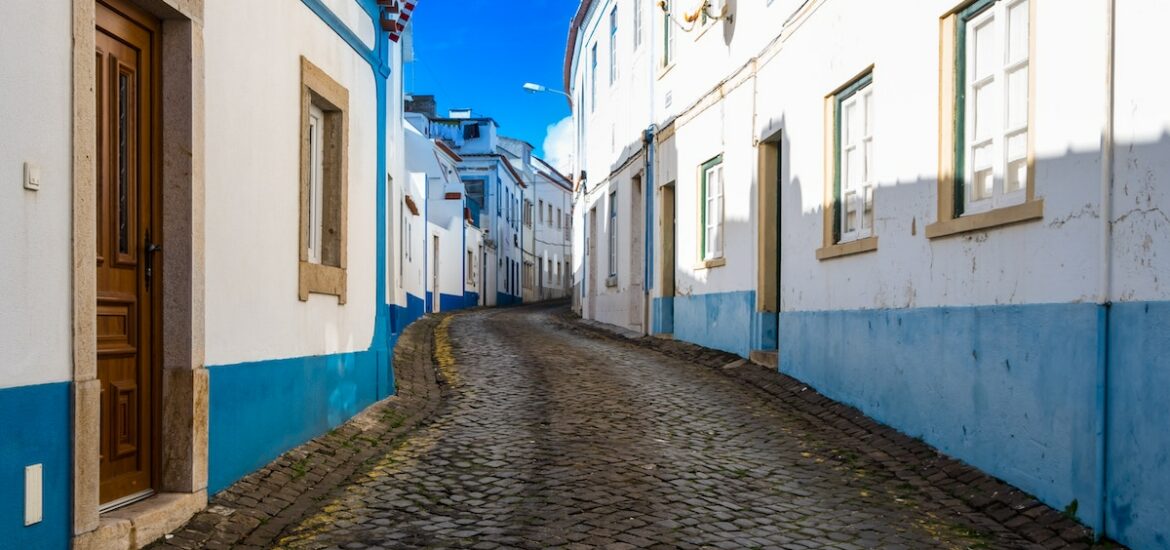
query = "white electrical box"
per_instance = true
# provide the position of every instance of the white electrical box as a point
(32, 176)
(33, 494)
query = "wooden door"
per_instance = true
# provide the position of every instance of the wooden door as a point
(128, 262)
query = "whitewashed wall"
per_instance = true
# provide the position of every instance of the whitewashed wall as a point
(1141, 209)
(1009, 265)
(35, 227)
(253, 193)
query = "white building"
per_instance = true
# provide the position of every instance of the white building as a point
(1010, 156)
(452, 242)
(195, 239)
(551, 235)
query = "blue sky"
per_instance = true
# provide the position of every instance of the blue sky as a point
(478, 53)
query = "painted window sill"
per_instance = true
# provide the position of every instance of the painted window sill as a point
(321, 279)
(860, 246)
(1028, 211)
(712, 263)
(611, 281)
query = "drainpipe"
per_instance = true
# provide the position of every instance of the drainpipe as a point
(648, 199)
(1104, 296)
(648, 188)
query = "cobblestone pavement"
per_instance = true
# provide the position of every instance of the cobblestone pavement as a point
(557, 434)
(254, 511)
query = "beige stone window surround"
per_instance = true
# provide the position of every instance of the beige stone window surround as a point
(832, 246)
(326, 275)
(951, 221)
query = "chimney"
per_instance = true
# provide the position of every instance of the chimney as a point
(422, 104)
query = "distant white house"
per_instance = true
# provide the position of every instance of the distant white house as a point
(948, 215)
(518, 253)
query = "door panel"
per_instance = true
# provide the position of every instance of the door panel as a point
(127, 324)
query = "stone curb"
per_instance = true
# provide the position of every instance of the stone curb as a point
(946, 480)
(256, 510)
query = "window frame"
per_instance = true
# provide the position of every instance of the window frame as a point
(852, 94)
(322, 268)
(954, 217)
(593, 78)
(613, 33)
(667, 38)
(833, 245)
(612, 231)
(711, 257)
(972, 16)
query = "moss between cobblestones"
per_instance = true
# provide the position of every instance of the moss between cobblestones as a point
(302, 483)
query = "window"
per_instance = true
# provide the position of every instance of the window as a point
(637, 7)
(316, 175)
(559, 218)
(853, 156)
(613, 240)
(324, 178)
(527, 213)
(593, 78)
(667, 36)
(471, 267)
(986, 175)
(711, 187)
(540, 210)
(993, 100)
(613, 46)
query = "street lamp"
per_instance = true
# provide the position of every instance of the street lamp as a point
(537, 88)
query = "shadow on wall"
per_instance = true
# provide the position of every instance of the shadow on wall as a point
(1011, 387)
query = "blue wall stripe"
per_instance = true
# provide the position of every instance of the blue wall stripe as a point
(726, 321)
(259, 410)
(35, 428)
(1139, 424)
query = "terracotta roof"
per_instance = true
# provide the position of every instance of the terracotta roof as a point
(449, 151)
(453, 196)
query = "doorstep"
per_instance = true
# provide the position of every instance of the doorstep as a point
(142, 523)
(765, 358)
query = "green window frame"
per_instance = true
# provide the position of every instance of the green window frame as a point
(960, 137)
(839, 100)
(706, 167)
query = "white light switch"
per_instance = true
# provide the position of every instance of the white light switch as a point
(33, 494)
(32, 176)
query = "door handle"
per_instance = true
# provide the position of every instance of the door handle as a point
(151, 249)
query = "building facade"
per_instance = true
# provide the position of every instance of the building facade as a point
(958, 232)
(198, 248)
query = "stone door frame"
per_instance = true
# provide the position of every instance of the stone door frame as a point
(182, 487)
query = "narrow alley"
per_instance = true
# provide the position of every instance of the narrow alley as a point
(557, 434)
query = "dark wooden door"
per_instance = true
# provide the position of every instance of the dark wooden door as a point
(127, 263)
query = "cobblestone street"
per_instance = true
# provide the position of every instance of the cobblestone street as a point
(554, 433)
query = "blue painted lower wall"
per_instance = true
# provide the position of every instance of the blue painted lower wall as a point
(450, 302)
(504, 299)
(1138, 511)
(35, 428)
(402, 316)
(259, 410)
(725, 321)
(662, 321)
(1012, 390)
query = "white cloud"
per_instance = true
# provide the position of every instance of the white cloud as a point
(558, 145)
